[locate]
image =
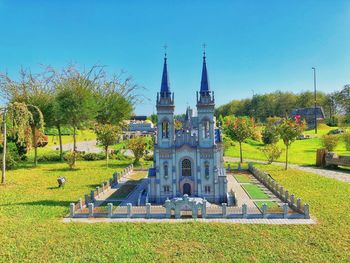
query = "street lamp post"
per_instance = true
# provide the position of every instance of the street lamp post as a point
(315, 98)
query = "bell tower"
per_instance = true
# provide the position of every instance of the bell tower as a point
(205, 110)
(165, 111)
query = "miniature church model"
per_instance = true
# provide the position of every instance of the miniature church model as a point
(187, 161)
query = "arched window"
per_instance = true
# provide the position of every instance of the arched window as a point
(165, 129)
(166, 172)
(186, 167)
(206, 169)
(206, 129)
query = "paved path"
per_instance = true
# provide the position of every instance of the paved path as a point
(86, 146)
(343, 175)
(241, 195)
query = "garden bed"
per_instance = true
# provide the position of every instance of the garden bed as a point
(254, 191)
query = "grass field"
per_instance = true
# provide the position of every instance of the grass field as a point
(254, 191)
(32, 207)
(300, 152)
(242, 178)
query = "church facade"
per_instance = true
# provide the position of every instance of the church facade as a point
(187, 160)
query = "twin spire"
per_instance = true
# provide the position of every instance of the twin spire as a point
(165, 86)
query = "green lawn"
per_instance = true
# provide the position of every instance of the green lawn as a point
(272, 206)
(31, 227)
(300, 152)
(242, 178)
(254, 191)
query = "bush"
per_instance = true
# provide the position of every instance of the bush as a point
(93, 156)
(332, 122)
(256, 136)
(12, 156)
(330, 142)
(272, 152)
(49, 158)
(148, 157)
(70, 158)
(346, 137)
(270, 135)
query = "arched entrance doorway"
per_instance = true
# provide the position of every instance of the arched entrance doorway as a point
(187, 189)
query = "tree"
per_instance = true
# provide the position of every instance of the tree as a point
(76, 100)
(107, 134)
(289, 131)
(20, 118)
(239, 129)
(115, 100)
(138, 147)
(32, 91)
(36, 124)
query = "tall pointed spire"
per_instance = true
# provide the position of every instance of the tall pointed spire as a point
(165, 86)
(204, 82)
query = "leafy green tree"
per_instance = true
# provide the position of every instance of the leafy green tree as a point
(239, 129)
(138, 146)
(115, 100)
(19, 117)
(289, 131)
(76, 102)
(107, 135)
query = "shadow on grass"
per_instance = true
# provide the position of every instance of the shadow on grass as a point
(65, 169)
(43, 203)
(93, 186)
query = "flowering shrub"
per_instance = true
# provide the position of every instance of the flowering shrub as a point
(289, 130)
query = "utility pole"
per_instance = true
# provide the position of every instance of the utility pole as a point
(314, 69)
(3, 177)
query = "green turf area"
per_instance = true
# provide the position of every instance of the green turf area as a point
(242, 178)
(300, 152)
(272, 207)
(254, 191)
(32, 208)
(270, 204)
(123, 191)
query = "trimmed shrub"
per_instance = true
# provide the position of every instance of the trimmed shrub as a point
(330, 142)
(272, 152)
(49, 158)
(93, 156)
(346, 137)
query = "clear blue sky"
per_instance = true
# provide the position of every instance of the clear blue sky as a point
(251, 45)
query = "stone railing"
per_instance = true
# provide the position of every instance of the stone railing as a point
(159, 212)
(289, 198)
(105, 186)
